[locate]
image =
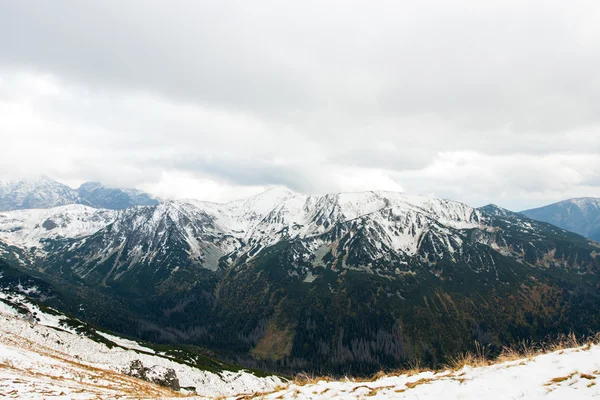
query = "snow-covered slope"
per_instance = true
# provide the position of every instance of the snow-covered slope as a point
(29, 228)
(564, 374)
(43, 353)
(280, 212)
(39, 193)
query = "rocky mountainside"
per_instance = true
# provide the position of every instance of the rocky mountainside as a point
(336, 283)
(47, 193)
(40, 193)
(581, 215)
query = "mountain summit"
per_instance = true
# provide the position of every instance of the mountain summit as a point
(97, 195)
(39, 193)
(47, 193)
(579, 215)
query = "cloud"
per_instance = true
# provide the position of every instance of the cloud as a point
(488, 102)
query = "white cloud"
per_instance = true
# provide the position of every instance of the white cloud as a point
(494, 102)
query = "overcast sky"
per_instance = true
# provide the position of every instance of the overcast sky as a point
(478, 101)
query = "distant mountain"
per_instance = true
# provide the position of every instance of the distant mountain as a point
(99, 196)
(47, 193)
(497, 211)
(580, 215)
(39, 193)
(341, 282)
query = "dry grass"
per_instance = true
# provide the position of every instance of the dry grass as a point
(559, 379)
(372, 378)
(479, 358)
(376, 390)
(303, 379)
(414, 368)
(275, 344)
(255, 395)
(529, 349)
(522, 350)
(414, 384)
(360, 387)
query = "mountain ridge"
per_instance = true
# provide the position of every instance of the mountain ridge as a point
(45, 192)
(342, 281)
(580, 215)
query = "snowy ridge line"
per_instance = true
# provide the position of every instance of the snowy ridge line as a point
(45, 341)
(259, 221)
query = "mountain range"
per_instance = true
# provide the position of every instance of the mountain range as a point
(580, 215)
(46, 193)
(340, 283)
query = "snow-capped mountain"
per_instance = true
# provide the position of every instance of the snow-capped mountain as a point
(277, 275)
(581, 215)
(39, 193)
(97, 195)
(372, 231)
(47, 193)
(29, 228)
(190, 234)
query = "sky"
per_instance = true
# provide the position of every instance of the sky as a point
(480, 102)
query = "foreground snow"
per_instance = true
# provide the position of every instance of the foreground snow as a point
(48, 359)
(565, 374)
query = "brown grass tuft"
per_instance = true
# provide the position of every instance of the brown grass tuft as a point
(414, 384)
(303, 379)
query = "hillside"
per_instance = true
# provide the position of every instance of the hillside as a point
(45, 353)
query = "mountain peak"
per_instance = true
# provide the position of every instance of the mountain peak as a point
(495, 210)
(277, 191)
(45, 179)
(583, 202)
(91, 184)
(270, 197)
(580, 215)
(45, 192)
